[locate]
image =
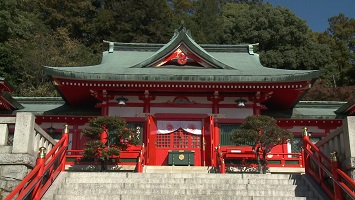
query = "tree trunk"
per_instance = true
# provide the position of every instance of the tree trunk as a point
(264, 162)
(103, 164)
(258, 159)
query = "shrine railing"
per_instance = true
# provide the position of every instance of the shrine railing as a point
(47, 168)
(28, 136)
(132, 157)
(246, 158)
(326, 172)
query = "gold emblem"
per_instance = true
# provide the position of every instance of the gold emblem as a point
(181, 157)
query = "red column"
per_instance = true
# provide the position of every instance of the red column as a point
(65, 135)
(215, 103)
(104, 108)
(146, 101)
(256, 108)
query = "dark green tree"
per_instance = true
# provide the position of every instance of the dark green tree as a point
(207, 22)
(262, 133)
(108, 136)
(342, 33)
(284, 39)
(132, 21)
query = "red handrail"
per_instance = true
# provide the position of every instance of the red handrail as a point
(342, 183)
(220, 160)
(44, 173)
(140, 163)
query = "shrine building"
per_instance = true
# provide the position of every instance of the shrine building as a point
(180, 97)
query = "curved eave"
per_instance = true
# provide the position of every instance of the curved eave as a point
(5, 86)
(191, 75)
(179, 38)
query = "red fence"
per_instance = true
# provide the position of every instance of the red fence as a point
(47, 168)
(326, 172)
(75, 157)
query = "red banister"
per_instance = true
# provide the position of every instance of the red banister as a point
(32, 183)
(339, 188)
(140, 162)
(220, 160)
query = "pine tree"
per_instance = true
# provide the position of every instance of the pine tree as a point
(262, 133)
(108, 135)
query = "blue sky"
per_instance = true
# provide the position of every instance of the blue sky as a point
(317, 12)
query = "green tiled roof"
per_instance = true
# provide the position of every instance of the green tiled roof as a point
(134, 62)
(53, 106)
(310, 110)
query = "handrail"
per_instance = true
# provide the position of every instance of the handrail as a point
(342, 183)
(44, 173)
(140, 163)
(220, 160)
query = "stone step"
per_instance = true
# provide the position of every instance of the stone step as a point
(238, 176)
(184, 181)
(178, 169)
(171, 191)
(171, 186)
(220, 186)
(173, 197)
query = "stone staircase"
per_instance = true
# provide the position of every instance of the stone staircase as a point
(178, 186)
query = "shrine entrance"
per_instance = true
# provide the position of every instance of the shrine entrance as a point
(178, 146)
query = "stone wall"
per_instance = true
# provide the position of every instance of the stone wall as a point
(342, 140)
(348, 163)
(13, 168)
(18, 160)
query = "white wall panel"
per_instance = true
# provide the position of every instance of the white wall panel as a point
(125, 111)
(236, 113)
(180, 110)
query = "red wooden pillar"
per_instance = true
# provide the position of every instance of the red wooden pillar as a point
(36, 195)
(146, 101)
(306, 147)
(104, 108)
(65, 135)
(256, 108)
(338, 192)
(215, 103)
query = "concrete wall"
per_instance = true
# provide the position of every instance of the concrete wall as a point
(342, 140)
(18, 160)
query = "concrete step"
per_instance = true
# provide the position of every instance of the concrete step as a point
(184, 181)
(177, 191)
(178, 169)
(171, 186)
(219, 186)
(121, 175)
(173, 197)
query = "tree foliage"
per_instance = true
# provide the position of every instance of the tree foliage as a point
(70, 32)
(262, 133)
(108, 136)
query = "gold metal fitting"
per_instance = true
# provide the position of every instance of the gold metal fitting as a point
(66, 129)
(305, 133)
(41, 152)
(334, 156)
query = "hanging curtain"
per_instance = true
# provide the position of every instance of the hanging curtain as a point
(165, 127)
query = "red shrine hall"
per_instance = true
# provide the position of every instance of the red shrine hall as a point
(183, 100)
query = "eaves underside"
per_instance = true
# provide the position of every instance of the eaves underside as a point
(189, 78)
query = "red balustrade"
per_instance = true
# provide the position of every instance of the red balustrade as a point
(47, 168)
(326, 172)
